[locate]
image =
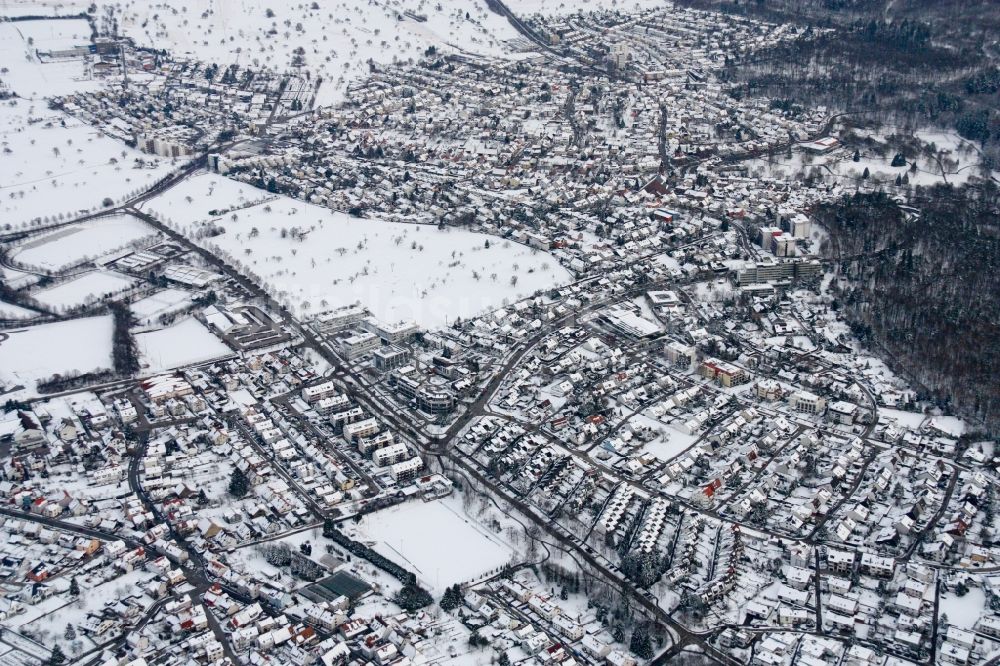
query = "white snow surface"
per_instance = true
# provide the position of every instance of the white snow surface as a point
(73, 244)
(38, 352)
(177, 345)
(162, 302)
(436, 541)
(338, 38)
(31, 78)
(58, 166)
(964, 611)
(87, 288)
(42, 7)
(670, 445)
(12, 311)
(431, 286)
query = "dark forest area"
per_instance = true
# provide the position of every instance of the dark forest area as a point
(924, 289)
(907, 62)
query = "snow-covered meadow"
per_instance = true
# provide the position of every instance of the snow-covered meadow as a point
(337, 38)
(74, 244)
(399, 271)
(83, 290)
(148, 309)
(12, 311)
(28, 355)
(52, 165)
(29, 77)
(947, 157)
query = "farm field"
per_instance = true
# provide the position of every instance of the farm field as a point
(28, 355)
(399, 271)
(82, 290)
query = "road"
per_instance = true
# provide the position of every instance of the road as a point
(661, 140)
(818, 591)
(194, 566)
(65, 526)
(440, 446)
(528, 32)
(569, 110)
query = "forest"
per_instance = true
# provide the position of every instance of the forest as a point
(922, 288)
(905, 62)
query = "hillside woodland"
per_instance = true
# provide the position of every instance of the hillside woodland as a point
(908, 62)
(925, 290)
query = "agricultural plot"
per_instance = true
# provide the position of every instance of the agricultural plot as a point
(77, 346)
(313, 258)
(83, 290)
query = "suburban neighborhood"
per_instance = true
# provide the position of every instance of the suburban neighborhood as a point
(510, 336)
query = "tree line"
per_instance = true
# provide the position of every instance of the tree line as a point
(924, 289)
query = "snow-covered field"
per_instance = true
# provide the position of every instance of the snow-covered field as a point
(338, 38)
(954, 160)
(963, 611)
(436, 541)
(42, 7)
(38, 352)
(57, 166)
(71, 245)
(11, 311)
(668, 445)
(671, 445)
(146, 310)
(18, 279)
(82, 290)
(33, 79)
(46, 35)
(183, 343)
(399, 271)
(911, 420)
